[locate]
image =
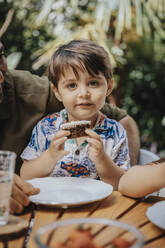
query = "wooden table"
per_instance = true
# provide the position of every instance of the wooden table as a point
(115, 207)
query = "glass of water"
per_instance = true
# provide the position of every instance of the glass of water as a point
(7, 165)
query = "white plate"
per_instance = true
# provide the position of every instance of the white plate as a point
(69, 191)
(156, 214)
(159, 194)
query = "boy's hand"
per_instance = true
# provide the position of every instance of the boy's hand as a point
(56, 148)
(96, 148)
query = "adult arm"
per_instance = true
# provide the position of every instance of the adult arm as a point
(133, 138)
(20, 194)
(140, 181)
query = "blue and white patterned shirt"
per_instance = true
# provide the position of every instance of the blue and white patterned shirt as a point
(77, 163)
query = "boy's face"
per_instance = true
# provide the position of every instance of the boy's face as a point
(83, 97)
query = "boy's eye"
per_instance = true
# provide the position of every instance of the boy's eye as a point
(93, 83)
(71, 85)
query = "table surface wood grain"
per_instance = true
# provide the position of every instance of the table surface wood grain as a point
(116, 207)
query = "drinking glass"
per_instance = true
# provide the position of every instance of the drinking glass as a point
(7, 165)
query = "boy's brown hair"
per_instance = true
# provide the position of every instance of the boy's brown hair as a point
(79, 55)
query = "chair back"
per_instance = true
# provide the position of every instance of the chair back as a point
(146, 157)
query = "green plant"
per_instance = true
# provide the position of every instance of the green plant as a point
(144, 93)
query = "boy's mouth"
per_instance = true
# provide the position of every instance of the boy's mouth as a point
(86, 104)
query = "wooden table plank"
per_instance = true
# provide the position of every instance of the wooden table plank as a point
(137, 215)
(111, 207)
(18, 240)
(159, 243)
(42, 218)
(150, 231)
(114, 206)
(80, 212)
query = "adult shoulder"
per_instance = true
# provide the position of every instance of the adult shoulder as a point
(113, 112)
(33, 89)
(24, 81)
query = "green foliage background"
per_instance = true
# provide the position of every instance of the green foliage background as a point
(144, 93)
(138, 51)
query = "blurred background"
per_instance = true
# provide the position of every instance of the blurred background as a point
(132, 31)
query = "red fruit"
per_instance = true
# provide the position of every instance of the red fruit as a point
(121, 243)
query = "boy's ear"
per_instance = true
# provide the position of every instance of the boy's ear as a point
(110, 86)
(56, 92)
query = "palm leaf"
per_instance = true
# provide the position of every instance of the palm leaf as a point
(145, 15)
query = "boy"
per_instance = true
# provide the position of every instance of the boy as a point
(82, 79)
(32, 98)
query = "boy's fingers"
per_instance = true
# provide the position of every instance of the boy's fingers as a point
(94, 143)
(59, 142)
(61, 134)
(92, 134)
(65, 153)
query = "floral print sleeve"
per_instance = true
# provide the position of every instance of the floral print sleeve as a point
(37, 144)
(120, 150)
(41, 137)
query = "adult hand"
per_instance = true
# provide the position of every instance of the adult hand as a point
(20, 194)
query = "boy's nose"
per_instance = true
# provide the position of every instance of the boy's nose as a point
(83, 92)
